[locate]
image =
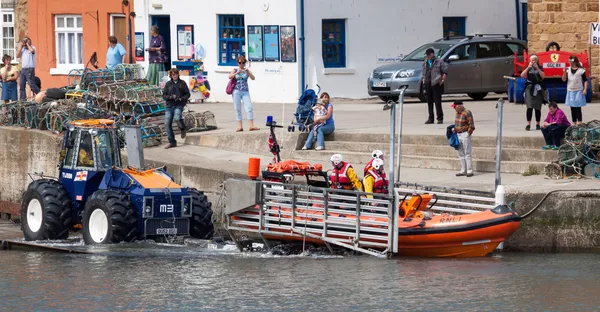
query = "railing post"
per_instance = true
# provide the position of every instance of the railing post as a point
(499, 106)
(357, 220)
(294, 194)
(400, 120)
(325, 213)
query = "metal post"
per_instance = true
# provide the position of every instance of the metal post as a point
(392, 146)
(399, 159)
(499, 106)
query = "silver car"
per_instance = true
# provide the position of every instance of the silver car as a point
(476, 66)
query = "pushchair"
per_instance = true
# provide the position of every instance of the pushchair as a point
(303, 117)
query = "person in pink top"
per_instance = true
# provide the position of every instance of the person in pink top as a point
(555, 125)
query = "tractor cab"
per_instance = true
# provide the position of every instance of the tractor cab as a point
(90, 147)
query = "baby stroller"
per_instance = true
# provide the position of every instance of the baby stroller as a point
(304, 113)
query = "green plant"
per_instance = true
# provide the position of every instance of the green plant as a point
(532, 170)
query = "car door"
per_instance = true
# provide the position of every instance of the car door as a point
(464, 72)
(496, 62)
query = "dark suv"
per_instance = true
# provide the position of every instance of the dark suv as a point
(476, 66)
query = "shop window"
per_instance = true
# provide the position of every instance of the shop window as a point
(453, 26)
(69, 41)
(8, 34)
(334, 43)
(232, 39)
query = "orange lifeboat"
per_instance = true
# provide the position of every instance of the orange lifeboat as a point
(421, 233)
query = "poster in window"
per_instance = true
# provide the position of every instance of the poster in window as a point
(271, 43)
(139, 46)
(185, 40)
(255, 43)
(288, 43)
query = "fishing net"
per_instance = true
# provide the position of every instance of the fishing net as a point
(580, 155)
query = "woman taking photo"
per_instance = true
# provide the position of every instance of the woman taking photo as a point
(157, 56)
(576, 88)
(534, 92)
(241, 93)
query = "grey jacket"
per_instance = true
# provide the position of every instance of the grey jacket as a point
(438, 68)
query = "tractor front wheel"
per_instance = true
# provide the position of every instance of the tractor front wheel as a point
(45, 211)
(201, 225)
(108, 218)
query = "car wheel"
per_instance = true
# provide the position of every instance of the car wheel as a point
(477, 96)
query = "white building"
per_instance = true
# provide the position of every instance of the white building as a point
(7, 44)
(357, 35)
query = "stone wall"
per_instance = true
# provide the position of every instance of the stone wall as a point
(565, 21)
(21, 19)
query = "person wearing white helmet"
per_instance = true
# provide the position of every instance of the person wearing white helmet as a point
(375, 181)
(343, 175)
(376, 154)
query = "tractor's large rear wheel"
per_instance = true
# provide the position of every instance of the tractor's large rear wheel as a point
(108, 218)
(201, 225)
(45, 211)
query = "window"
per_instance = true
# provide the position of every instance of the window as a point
(85, 157)
(69, 41)
(488, 49)
(232, 39)
(334, 43)
(464, 52)
(70, 149)
(419, 54)
(8, 34)
(453, 26)
(515, 47)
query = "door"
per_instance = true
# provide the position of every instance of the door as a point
(464, 73)
(496, 62)
(119, 29)
(164, 27)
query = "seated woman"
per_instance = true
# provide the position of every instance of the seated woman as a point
(326, 126)
(554, 127)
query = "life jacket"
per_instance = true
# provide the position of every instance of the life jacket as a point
(381, 184)
(339, 177)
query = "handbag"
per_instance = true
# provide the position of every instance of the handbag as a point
(230, 86)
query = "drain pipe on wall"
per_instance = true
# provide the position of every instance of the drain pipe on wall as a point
(302, 48)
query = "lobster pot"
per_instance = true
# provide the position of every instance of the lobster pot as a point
(197, 121)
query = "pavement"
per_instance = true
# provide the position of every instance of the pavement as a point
(367, 116)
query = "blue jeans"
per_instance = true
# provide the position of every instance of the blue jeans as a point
(321, 132)
(238, 97)
(173, 112)
(27, 75)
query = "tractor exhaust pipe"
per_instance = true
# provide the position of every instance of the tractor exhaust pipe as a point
(135, 146)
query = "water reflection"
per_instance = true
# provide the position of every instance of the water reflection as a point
(169, 279)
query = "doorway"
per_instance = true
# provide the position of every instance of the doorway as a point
(118, 28)
(164, 26)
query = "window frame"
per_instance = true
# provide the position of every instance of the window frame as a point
(222, 20)
(68, 30)
(461, 21)
(341, 43)
(10, 24)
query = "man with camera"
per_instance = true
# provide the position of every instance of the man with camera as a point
(26, 52)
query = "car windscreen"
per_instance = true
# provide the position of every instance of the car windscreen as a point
(419, 54)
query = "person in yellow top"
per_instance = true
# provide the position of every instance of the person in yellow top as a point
(10, 75)
(343, 175)
(375, 180)
(86, 158)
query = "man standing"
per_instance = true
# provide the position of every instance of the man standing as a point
(176, 95)
(464, 127)
(26, 52)
(433, 76)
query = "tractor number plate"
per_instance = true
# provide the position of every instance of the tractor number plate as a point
(164, 231)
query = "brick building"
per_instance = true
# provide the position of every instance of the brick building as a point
(565, 21)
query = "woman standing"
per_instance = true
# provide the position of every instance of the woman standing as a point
(157, 56)
(242, 93)
(115, 54)
(10, 76)
(534, 92)
(327, 127)
(576, 89)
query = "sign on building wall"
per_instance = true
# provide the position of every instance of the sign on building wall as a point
(271, 43)
(288, 43)
(139, 46)
(185, 40)
(255, 43)
(594, 33)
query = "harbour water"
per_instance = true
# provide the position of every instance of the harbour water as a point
(165, 278)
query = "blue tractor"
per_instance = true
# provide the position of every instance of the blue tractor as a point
(109, 203)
